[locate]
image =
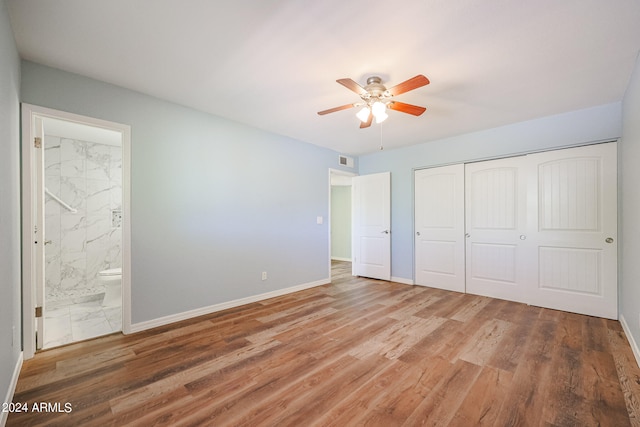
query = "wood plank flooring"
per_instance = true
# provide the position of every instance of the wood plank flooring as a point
(354, 352)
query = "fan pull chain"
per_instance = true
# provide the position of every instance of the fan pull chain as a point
(381, 147)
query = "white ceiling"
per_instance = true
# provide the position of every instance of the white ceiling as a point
(273, 63)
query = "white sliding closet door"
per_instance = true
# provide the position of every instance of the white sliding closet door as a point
(540, 229)
(439, 227)
(498, 256)
(575, 215)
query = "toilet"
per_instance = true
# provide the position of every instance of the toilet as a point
(112, 280)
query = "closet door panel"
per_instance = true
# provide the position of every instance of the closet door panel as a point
(573, 270)
(439, 227)
(576, 241)
(496, 213)
(496, 262)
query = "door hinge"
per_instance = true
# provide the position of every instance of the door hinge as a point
(37, 142)
(38, 312)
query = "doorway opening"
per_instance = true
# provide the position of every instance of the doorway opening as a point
(76, 228)
(340, 221)
(83, 232)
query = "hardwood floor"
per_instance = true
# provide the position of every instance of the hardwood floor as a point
(354, 352)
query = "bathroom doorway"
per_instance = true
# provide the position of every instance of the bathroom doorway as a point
(79, 179)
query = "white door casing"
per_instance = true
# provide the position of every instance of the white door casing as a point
(439, 228)
(372, 225)
(40, 233)
(498, 259)
(32, 263)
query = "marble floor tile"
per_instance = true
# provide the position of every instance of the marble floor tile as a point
(76, 322)
(57, 329)
(90, 327)
(114, 316)
(86, 310)
(56, 312)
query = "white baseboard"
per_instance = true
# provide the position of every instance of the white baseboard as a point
(402, 280)
(337, 258)
(141, 326)
(632, 341)
(12, 388)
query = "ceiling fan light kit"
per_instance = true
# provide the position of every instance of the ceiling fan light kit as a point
(363, 114)
(378, 107)
(376, 99)
(381, 116)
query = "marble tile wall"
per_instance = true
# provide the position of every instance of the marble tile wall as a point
(88, 177)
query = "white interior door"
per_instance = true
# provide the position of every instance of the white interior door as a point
(372, 225)
(439, 228)
(576, 240)
(39, 232)
(497, 261)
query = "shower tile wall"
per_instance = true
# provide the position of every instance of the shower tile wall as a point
(88, 177)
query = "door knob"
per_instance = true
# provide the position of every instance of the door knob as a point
(523, 237)
(417, 233)
(467, 235)
(609, 240)
(47, 242)
(385, 231)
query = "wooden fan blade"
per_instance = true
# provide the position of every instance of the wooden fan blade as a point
(406, 108)
(367, 123)
(411, 84)
(351, 85)
(333, 110)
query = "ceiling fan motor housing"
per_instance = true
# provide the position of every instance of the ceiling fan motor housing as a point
(375, 89)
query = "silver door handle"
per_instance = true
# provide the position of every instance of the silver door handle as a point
(48, 242)
(417, 233)
(385, 231)
(609, 240)
(523, 237)
(467, 235)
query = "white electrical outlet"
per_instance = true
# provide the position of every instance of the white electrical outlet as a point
(264, 275)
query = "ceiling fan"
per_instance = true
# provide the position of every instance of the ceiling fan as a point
(376, 99)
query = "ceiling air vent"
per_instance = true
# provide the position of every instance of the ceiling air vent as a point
(345, 161)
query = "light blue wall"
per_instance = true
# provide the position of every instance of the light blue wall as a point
(10, 318)
(629, 227)
(593, 124)
(213, 202)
